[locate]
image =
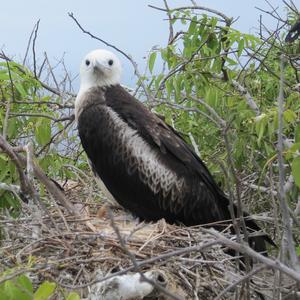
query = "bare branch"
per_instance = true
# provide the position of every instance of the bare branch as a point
(10, 187)
(286, 220)
(51, 71)
(40, 115)
(249, 99)
(196, 7)
(171, 30)
(239, 281)
(12, 98)
(33, 48)
(245, 249)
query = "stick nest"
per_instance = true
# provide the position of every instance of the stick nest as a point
(77, 252)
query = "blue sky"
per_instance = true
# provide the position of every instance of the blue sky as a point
(130, 25)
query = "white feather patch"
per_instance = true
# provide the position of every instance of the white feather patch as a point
(137, 153)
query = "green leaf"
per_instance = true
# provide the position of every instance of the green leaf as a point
(20, 89)
(192, 26)
(169, 87)
(289, 116)
(152, 59)
(4, 75)
(73, 296)
(296, 170)
(12, 127)
(241, 47)
(45, 290)
(43, 131)
(297, 134)
(231, 62)
(26, 283)
(211, 97)
(13, 292)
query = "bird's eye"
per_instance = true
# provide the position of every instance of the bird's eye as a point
(87, 62)
(110, 62)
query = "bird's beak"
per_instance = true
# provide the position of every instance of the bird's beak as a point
(99, 66)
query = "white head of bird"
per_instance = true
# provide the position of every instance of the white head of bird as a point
(99, 68)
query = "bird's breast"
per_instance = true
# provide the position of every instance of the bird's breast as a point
(117, 144)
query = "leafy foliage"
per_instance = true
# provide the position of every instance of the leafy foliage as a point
(40, 117)
(21, 288)
(219, 66)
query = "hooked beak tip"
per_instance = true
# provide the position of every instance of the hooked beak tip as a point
(98, 66)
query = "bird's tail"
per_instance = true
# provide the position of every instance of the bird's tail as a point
(257, 242)
(257, 239)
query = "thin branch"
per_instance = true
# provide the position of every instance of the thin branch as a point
(9, 100)
(10, 187)
(249, 99)
(33, 48)
(184, 108)
(40, 115)
(219, 120)
(49, 103)
(28, 44)
(194, 144)
(196, 7)
(245, 249)
(171, 30)
(51, 71)
(29, 156)
(286, 220)
(240, 280)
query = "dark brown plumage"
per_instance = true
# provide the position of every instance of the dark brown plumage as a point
(192, 198)
(144, 163)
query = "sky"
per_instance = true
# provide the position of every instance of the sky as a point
(129, 24)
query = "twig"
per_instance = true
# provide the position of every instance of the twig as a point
(48, 103)
(171, 30)
(244, 92)
(29, 154)
(10, 187)
(33, 47)
(220, 121)
(196, 7)
(286, 220)
(51, 71)
(243, 248)
(28, 44)
(239, 281)
(9, 100)
(184, 108)
(195, 146)
(40, 115)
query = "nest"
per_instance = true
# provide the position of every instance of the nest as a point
(96, 254)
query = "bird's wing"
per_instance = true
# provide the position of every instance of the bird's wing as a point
(156, 132)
